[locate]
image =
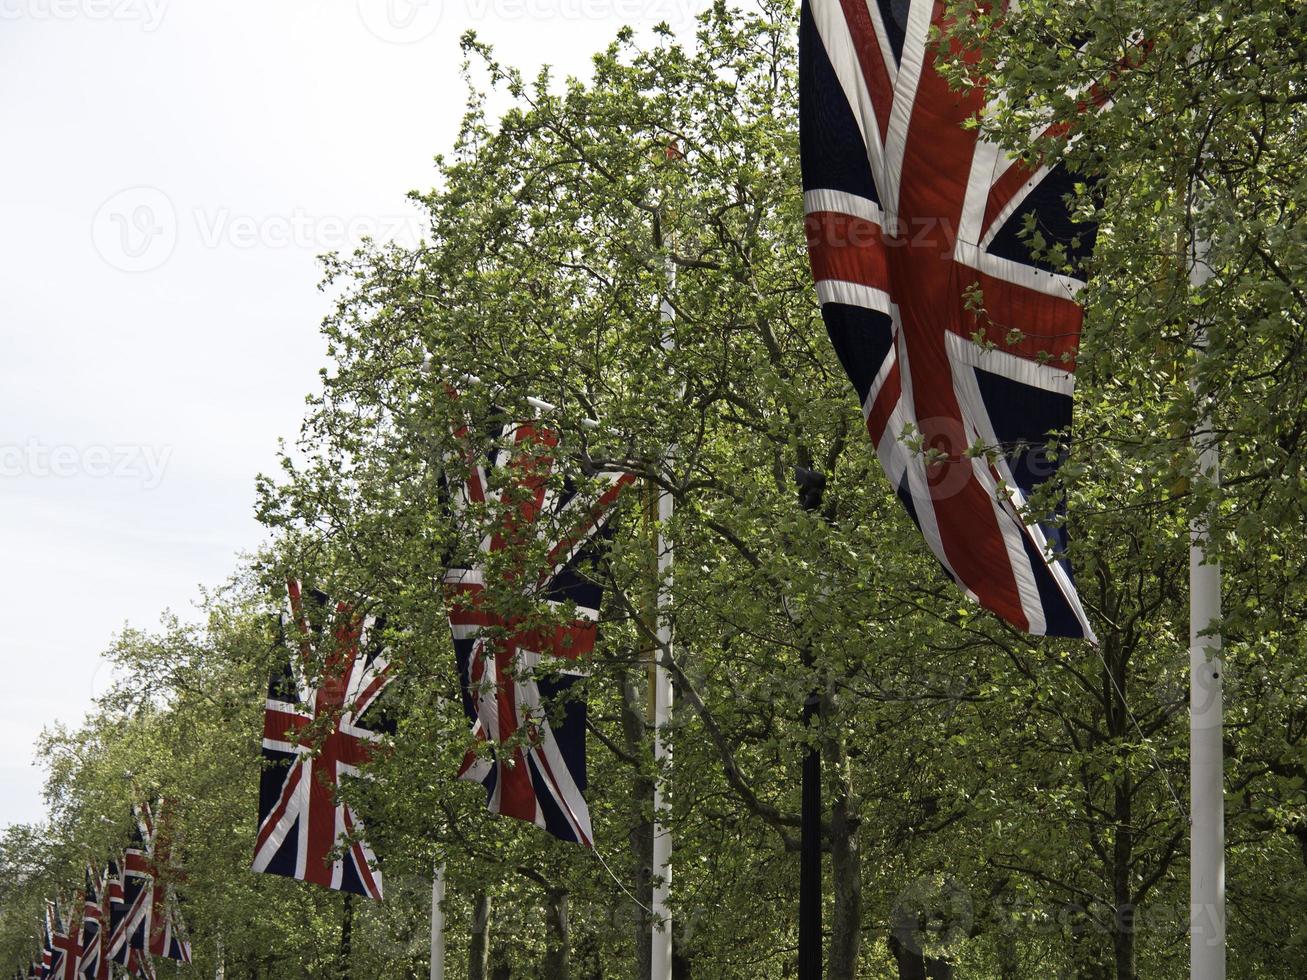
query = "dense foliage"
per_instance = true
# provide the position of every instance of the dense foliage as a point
(995, 806)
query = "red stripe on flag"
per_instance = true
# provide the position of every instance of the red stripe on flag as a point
(282, 726)
(1032, 325)
(846, 248)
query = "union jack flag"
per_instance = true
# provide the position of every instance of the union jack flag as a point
(311, 738)
(47, 941)
(116, 929)
(163, 931)
(140, 965)
(958, 333)
(92, 921)
(130, 920)
(66, 950)
(532, 762)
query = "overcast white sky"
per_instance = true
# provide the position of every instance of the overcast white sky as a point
(170, 171)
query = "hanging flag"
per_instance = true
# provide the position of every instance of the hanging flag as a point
(314, 736)
(958, 333)
(532, 762)
(92, 927)
(47, 941)
(67, 950)
(140, 965)
(163, 932)
(132, 928)
(115, 939)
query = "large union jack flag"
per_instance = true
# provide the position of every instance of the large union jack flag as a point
(537, 536)
(944, 268)
(312, 737)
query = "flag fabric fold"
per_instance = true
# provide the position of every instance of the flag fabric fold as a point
(947, 276)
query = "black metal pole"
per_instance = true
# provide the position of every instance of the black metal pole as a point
(347, 936)
(811, 485)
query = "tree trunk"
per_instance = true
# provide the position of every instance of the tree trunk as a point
(558, 955)
(478, 957)
(346, 936)
(634, 731)
(845, 861)
(910, 963)
(915, 966)
(682, 962)
(1123, 925)
(1009, 960)
(1087, 954)
(590, 961)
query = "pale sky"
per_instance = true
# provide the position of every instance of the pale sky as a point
(169, 172)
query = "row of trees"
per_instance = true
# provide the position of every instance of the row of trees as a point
(996, 806)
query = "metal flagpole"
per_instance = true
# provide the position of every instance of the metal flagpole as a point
(660, 962)
(1206, 679)
(438, 924)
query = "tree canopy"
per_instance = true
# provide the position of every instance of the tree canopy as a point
(997, 806)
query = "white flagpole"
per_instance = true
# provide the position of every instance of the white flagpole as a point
(1206, 678)
(660, 962)
(438, 924)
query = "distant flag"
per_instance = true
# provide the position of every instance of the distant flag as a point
(532, 761)
(951, 325)
(312, 736)
(67, 958)
(164, 932)
(115, 937)
(47, 941)
(92, 928)
(131, 928)
(140, 965)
